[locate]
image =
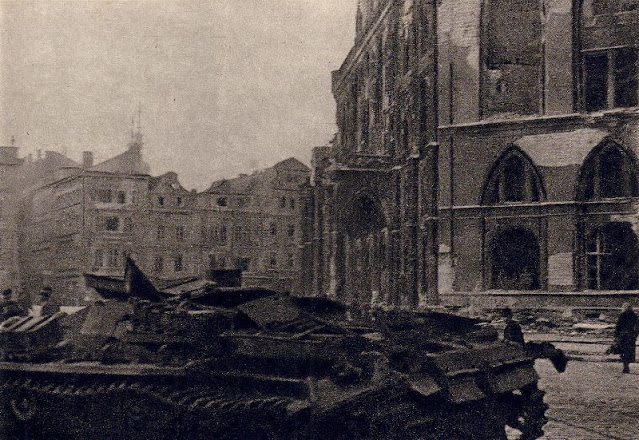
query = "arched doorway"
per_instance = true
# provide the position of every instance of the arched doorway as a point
(612, 257)
(366, 242)
(514, 257)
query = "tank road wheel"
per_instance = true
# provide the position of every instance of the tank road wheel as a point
(23, 406)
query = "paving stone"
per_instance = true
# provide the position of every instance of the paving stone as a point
(590, 401)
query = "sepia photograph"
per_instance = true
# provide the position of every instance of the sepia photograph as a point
(319, 219)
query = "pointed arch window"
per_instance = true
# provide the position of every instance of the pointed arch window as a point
(609, 172)
(513, 179)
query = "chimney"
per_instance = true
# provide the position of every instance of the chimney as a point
(87, 159)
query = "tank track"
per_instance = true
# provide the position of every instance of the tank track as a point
(199, 413)
(194, 413)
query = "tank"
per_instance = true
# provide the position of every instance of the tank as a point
(196, 360)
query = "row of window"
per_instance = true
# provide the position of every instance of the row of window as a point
(107, 195)
(179, 232)
(390, 55)
(114, 259)
(611, 259)
(241, 202)
(610, 78)
(110, 258)
(115, 224)
(246, 263)
(219, 234)
(160, 263)
(164, 201)
(513, 62)
(609, 173)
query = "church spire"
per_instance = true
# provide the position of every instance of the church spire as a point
(136, 131)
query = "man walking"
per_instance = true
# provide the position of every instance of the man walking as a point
(626, 336)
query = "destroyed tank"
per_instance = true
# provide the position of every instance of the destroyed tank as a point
(198, 360)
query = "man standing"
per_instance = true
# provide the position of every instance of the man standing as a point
(626, 336)
(43, 308)
(8, 305)
(512, 331)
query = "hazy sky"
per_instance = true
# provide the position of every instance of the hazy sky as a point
(225, 86)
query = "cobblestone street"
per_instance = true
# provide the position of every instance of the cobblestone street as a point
(591, 400)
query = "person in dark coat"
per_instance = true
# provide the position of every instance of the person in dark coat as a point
(512, 331)
(8, 306)
(626, 336)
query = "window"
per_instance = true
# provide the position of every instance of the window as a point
(121, 197)
(612, 257)
(512, 59)
(222, 201)
(514, 260)
(177, 263)
(160, 201)
(513, 179)
(291, 230)
(128, 224)
(105, 195)
(112, 223)
(161, 232)
(216, 262)
(273, 229)
(292, 203)
(273, 260)
(114, 258)
(223, 234)
(596, 81)
(158, 264)
(180, 202)
(610, 79)
(610, 172)
(604, 7)
(364, 126)
(283, 202)
(179, 232)
(98, 258)
(242, 263)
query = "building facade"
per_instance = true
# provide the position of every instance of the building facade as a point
(79, 218)
(539, 136)
(374, 227)
(536, 109)
(254, 223)
(9, 267)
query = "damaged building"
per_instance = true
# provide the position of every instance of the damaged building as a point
(372, 214)
(538, 135)
(60, 220)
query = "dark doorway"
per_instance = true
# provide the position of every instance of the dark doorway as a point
(612, 254)
(515, 260)
(365, 265)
